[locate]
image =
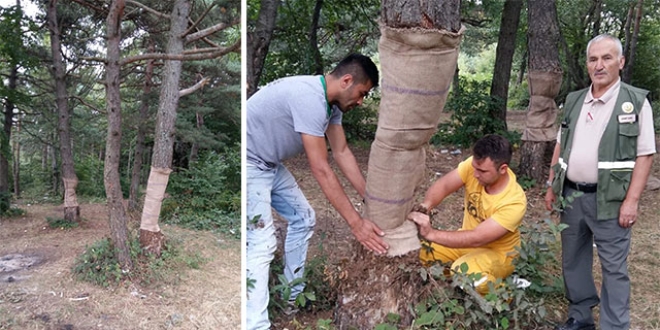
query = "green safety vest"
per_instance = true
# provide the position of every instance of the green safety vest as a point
(617, 149)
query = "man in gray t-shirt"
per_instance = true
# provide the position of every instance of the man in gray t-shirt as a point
(285, 118)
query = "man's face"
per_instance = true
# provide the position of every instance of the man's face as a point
(486, 171)
(604, 63)
(353, 94)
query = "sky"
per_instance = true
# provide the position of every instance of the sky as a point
(29, 7)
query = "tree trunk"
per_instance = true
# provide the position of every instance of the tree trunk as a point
(151, 239)
(194, 150)
(117, 213)
(143, 118)
(626, 29)
(418, 51)
(313, 38)
(5, 136)
(630, 60)
(17, 162)
(258, 42)
(544, 83)
(506, 46)
(522, 69)
(69, 178)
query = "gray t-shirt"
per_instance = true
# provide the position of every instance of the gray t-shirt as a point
(282, 110)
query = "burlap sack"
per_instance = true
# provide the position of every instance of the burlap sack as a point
(153, 200)
(70, 199)
(542, 110)
(417, 70)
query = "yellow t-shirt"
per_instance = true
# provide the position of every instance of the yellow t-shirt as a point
(507, 207)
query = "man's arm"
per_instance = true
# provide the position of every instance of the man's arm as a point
(364, 230)
(486, 232)
(447, 184)
(549, 194)
(342, 154)
(640, 174)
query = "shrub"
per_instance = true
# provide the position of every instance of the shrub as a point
(472, 117)
(360, 123)
(207, 195)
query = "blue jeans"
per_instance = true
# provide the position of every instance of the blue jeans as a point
(278, 189)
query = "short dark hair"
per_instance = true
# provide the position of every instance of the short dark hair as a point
(361, 67)
(495, 147)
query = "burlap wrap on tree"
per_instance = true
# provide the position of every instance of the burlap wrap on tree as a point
(70, 199)
(417, 70)
(542, 111)
(158, 178)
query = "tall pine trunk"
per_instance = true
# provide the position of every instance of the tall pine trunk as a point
(258, 42)
(69, 178)
(418, 50)
(544, 79)
(111, 179)
(506, 46)
(151, 238)
(143, 118)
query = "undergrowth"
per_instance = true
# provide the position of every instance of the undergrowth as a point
(98, 264)
(60, 223)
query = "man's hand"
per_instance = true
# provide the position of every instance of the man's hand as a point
(549, 199)
(628, 213)
(422, 221)
(368, 234)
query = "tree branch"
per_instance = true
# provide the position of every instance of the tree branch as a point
(194, 88)
(153, 11)
(184, 57)
(194, 24)
(87, 104)
(210, 30)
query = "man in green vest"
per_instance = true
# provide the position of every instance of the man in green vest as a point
(603, 157)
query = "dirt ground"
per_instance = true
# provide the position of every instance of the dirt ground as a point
(336, 240)
(43, 293)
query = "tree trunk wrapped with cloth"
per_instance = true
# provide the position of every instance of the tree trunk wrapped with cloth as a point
(418, 51)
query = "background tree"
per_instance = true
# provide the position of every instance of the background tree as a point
(544, 80)
(258, 40)
(506, 46)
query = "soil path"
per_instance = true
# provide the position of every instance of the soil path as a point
(45, 294)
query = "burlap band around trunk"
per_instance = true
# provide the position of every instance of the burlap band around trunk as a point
(402, 239)
(153, 200)
(542, 110)
(417, 70)
(70, 197)
(404, 139)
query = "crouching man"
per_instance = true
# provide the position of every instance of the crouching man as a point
(494, 206)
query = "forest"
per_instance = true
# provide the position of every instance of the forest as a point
(120, 118)
(517, 61)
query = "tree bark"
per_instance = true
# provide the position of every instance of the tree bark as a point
(258, 42)
(17, 163)
(630, 60)
(544, 83)
(5, 193)
(151, 239)
(143, 118)
(313, 38)
(111, 179)
(506, 46)
(418, 51)
(69, 178)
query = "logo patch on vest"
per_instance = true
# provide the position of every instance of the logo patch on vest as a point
(627, 107)
(623, 119)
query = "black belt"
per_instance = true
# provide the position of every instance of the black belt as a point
(583, 187)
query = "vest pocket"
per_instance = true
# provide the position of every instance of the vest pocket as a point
(617, 185)
(627, 149)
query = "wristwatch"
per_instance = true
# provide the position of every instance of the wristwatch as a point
(548, 184)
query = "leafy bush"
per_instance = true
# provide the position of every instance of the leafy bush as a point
(207, 195)
(360, 123)
(505, 306)
(518, 96)
(98, 264)
(60, 223)
(472, 117)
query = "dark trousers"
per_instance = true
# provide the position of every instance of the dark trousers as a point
(612, 243)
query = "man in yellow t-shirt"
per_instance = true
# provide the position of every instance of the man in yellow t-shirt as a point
(494, 207)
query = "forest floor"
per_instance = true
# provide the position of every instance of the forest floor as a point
(39, 291)
(333, 240)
